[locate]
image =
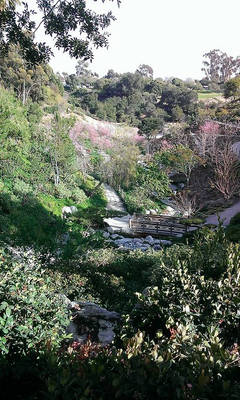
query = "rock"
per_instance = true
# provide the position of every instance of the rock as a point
(167, 201)
(106, 235)
(153, 212)
(166, 242)
(91, 321)
(143, 244)
(110, 230)
(147, 212)
(122, 242)
(173, 188)
(169, 211)
(149, 239)
(116, 236)
(181, 185)
(106, 333)
(66, 211)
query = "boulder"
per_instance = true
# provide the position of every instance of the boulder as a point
(169, 211)
(116, 236)
(173, 188)
(149, 239)
(68, 210)
(122, 242)
(166, 242)
(153, 212)
(90, 321)
(106, 235)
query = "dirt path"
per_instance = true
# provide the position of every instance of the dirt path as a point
(225, 215)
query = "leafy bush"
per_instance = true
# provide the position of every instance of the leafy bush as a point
(32, 314)
(137, 201)
(78, 195)
(233, 229)
(235, 220)
(62, 191)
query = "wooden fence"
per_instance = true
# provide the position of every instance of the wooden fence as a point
(157, 225)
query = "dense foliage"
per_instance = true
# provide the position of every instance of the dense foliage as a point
(59, 19)
(135, 98)
(178, 337)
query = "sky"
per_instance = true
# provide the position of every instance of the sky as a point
(169, 35)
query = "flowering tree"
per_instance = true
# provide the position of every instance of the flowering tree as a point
(206, 138)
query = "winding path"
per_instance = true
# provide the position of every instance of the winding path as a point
(115, 203)
(113, 200)
(225, 216)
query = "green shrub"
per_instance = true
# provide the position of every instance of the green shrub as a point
(62, 191)
(137, 201)
(233, 233)
(78, 195)
(235, 220)
(233, 229)
(32, 314)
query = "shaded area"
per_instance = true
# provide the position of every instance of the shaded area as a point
(28, 222)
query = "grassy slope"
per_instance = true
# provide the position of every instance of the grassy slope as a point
(206, 95)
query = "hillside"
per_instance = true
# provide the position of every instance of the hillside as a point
(83, 315)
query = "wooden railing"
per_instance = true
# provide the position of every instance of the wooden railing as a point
(158, 225)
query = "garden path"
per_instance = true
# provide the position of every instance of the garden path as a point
(225, 215)
(113, 200)
(116, 204)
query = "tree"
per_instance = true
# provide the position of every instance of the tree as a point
(5, 3)
(180, 159)
(226, 171)
(60, 149)
(206, 137)
(62, 20)
(232, 88)
(145, 70)
(85, 78)
(186, 203)
(15, 136)
(111, 74)
(27, 81)
(219, 67)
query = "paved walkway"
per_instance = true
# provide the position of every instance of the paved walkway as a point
(117, 224)
(225, 215)
(113, 200)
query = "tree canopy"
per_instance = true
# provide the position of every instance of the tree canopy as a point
(73, 27)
